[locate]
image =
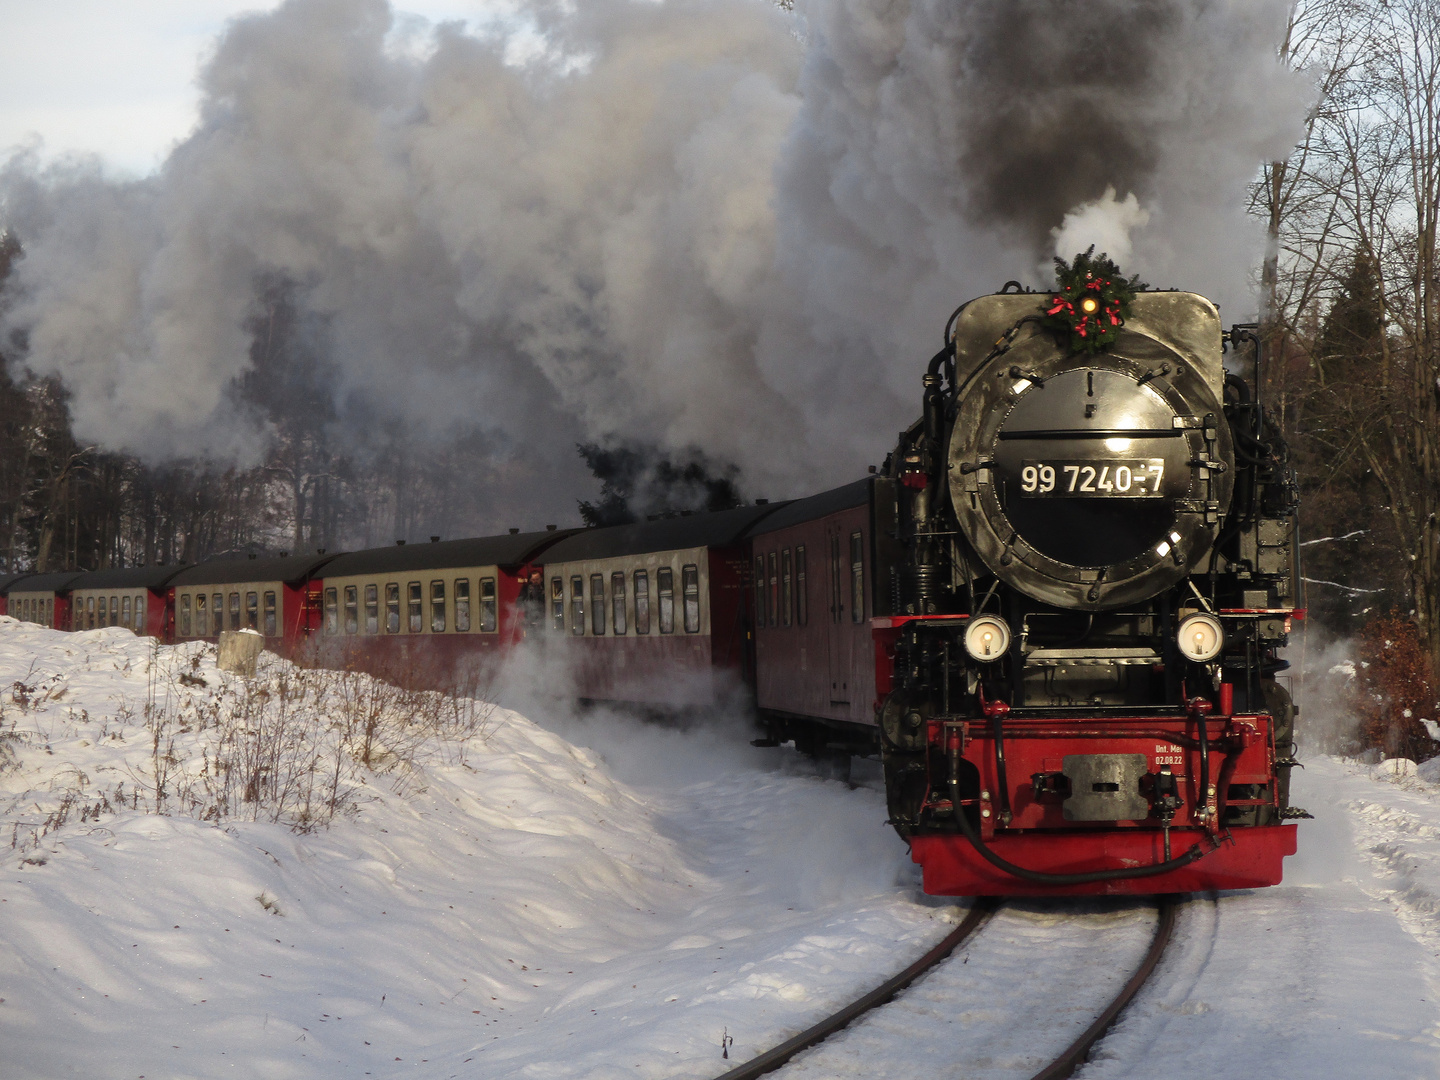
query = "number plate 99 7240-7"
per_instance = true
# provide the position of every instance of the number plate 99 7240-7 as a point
(1116, 478)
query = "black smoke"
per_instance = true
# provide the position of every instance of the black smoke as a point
(638, 481)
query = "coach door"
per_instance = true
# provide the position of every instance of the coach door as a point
(841, 643)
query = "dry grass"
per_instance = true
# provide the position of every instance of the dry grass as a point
(294, 746)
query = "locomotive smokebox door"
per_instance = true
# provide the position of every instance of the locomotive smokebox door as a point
(1106, 787)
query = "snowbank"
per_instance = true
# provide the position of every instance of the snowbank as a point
(494, 898)
(470, 894)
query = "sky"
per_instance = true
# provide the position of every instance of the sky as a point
(118, 79)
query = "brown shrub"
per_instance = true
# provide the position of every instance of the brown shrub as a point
(1395, 689)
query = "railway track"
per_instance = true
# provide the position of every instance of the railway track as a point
(1060, 1067)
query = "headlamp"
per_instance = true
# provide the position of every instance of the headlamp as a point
(1200, 638)
(987, 638)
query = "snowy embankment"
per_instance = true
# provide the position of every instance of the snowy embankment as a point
(498, 900)
(348, 880)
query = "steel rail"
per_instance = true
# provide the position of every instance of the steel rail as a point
(1076, 1053)
(774, 1059)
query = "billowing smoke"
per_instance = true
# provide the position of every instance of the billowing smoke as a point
(691, 223)
(639, 482)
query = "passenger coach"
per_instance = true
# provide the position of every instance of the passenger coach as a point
(816, 591)
(444, 599)
(655, 613)
(42, 598)
(133, 597)
(275, 597)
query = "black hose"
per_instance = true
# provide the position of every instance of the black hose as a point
(1240, 387)
(997, 729)
(1041, 878)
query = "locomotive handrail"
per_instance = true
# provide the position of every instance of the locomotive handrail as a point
(1093, 433)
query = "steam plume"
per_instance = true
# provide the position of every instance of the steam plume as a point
(694, 223)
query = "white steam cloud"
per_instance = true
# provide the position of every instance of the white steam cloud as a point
(1105, 223)
(704, 223)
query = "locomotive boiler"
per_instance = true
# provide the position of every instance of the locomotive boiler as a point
(1095, 567)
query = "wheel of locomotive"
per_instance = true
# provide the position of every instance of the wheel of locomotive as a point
(1090, 482)
(902, 723)
(902, 754)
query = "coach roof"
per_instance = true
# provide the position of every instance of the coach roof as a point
(720, 529)
(56, 582)
(816, 506)
(513, 549)
(233, 571)
(130, 577)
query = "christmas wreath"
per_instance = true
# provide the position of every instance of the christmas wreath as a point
(1091, 300)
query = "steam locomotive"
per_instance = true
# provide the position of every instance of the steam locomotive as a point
(1095, 566)
(1054, 614)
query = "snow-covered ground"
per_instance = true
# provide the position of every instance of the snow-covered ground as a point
(495, 899)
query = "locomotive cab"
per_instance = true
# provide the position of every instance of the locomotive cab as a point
(1078, 679)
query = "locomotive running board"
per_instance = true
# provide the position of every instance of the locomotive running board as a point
(1250, 858)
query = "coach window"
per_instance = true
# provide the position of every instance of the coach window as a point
(617, 602)
(597, 604)
(857, 578)
(372, 608)
(489, 607)
(835, 593)
(577, 605)
(332, 611)
(759, 590)
(139, 614)
(642, 601)
(415, 601)
(352, 612)
(270, 620)
(392, 608)
(774, 612)
(217, 613)
(690, 580)
(462, 605)
(437, 607)
(665, 586)
(90, 612)
(557, 604)
(787, 587)
(125, 612)
(234, 611)
(114, 610)
(252, 611)
(100, 614)
(185, 615)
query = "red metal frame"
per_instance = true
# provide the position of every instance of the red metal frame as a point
(1038, 837)
(1246, 858)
